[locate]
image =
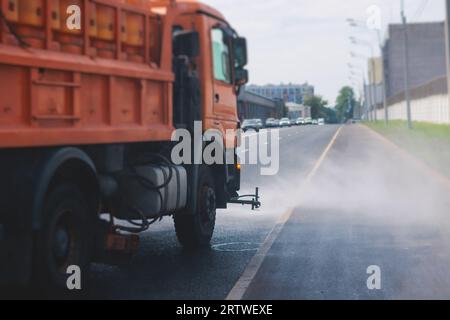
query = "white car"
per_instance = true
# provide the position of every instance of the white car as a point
(285, 122)
(321, 122)
(300, 121)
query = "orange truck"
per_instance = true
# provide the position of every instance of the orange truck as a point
(90, 94)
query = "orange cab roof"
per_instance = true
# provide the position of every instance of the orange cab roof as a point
(189, 5)
(196, 6)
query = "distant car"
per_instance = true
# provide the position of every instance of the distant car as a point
(321, 122)
(308, 120)
(285, 122)
(271, 123)
(315, 122)
(251, 124)
(293, 122)
(300, 121)
(259, 123)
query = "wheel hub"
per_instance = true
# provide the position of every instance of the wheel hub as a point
(61, 243)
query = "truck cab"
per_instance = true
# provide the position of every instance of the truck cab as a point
(218, 63)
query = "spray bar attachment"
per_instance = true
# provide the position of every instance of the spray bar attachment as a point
(254, 202)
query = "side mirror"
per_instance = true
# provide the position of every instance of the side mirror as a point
(241, 76)
(186, 43)
(240, 52)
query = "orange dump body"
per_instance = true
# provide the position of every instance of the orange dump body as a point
(109, 81)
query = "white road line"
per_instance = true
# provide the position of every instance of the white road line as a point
(240, 288)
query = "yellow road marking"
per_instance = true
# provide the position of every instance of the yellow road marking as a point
(323, 156)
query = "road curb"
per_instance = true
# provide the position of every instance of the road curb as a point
(417, 161)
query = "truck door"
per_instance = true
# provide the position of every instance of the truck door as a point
(224, 95)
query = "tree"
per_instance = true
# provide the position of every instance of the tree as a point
(345, 104)
(330, 115)
(319, 109)
(317, 104)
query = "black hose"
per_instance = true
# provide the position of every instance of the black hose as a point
(144, 226)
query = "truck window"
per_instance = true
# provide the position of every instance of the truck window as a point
(221, 56)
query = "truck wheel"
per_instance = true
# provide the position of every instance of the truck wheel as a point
(195, 230)
(65, 238)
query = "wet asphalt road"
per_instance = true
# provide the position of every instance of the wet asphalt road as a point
(368, 205)
(162, 270)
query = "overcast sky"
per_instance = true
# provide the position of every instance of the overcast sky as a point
(307, 40)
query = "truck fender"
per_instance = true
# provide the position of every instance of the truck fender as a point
(48, 168)
(33, 172)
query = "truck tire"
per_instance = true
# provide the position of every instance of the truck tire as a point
(195, 229)
(64, 239)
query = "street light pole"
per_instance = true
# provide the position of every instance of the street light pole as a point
(354, 23)
(370, 101)
(447, 45)
(367, 101)
(371, 78)
(373, 86)
(383, 86)
(365, 92)
(357, 112)
(406, 71)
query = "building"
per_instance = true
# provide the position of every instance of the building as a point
(298, 110)
(375, 70)
(254, 106)
(426, 46)
(373, 90)
(295, 93)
